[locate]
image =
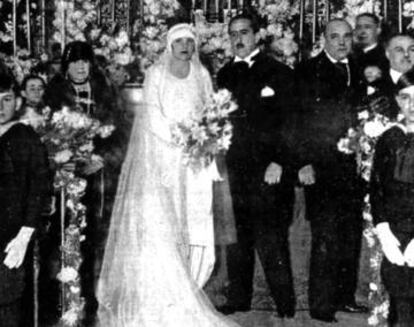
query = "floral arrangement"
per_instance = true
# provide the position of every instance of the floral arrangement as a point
(214, 41)
(408, 12)
(208, 132)
(361, 142)
(352, 8)
(152, 40)
(68, 136)
(20, 65)
(112, 43)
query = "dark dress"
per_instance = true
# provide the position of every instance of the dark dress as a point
(101, 187)
(24, 186)
(262, 212)
(334, 202)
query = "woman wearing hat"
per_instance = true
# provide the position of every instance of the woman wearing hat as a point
(392, 194)
(160, 249)
(82, 86)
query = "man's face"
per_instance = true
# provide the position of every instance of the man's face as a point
(183, 48)
(34, 91)
(366, 32)
(338, 37)
(7, 106)
(400, 53)
(242, 37)
(405, 99)
(79, 70)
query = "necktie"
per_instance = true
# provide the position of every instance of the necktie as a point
(343, 68)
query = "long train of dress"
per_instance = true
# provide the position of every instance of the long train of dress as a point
(147, 278)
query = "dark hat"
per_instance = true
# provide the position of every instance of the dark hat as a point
(406, 80)
(77, 50)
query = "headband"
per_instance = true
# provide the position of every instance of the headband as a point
(180, 31)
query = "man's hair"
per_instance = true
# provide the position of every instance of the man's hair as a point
(7, 83)
(252, 18)
(336, 20)
(29, 78)
(374, 17)
(395, 35)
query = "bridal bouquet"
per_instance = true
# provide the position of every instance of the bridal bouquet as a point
(208, 132)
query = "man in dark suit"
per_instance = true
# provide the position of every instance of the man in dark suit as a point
(368, 50)
(260, 172)
(333, 190)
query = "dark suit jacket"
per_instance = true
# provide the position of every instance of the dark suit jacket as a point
(375, 56)
(261, 122)
(24, 187)
(325, 114)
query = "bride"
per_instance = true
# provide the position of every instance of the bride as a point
(160, 248)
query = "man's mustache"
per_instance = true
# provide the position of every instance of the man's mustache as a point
(239, 45)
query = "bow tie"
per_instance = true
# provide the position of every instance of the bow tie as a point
(248, 60)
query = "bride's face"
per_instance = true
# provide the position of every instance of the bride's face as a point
(183, 48)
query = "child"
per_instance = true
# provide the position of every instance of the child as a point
(23, 189)
(392, 200)
(32, 90)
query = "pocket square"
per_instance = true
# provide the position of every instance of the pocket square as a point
(267, 92)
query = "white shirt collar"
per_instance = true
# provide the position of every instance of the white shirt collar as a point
(334, 61)
(370, 47)
(395, 76)
(247, 59)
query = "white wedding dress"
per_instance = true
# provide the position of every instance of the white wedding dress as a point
(160, 248)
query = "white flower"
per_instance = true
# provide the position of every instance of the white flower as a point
(105, 131)
(373, 287)
(374, 128)
(63, 156)
(67, 274)
(373, 320)
(363, 115)
(88, 147)
(343, 146)
(74, 289)
(71, 317)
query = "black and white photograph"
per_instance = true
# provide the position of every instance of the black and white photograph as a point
(207, 163)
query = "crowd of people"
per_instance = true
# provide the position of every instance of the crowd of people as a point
(160, 248)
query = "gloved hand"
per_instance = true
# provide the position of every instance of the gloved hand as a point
(390, 244)
(16, 249)
(409, 254)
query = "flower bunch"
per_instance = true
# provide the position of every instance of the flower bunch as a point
(208, 132)
(361, 140)
(21, 65)
(278, 16)
(152, 40)
(68, 136)
(408, 11)
(352, 8)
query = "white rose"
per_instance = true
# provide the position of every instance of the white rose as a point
(373, 129)
(70, 317)
(363, 115)
(67, 274)
(63, 156)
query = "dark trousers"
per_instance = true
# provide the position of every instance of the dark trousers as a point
(401, 312)
(262, 215)
(11, 314)
(336, 227)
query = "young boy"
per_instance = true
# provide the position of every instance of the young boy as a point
(392, 194)
(23, 191)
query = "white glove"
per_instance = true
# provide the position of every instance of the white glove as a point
(390, 244)
(16, 249)
(409, 254)
(214, 172)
